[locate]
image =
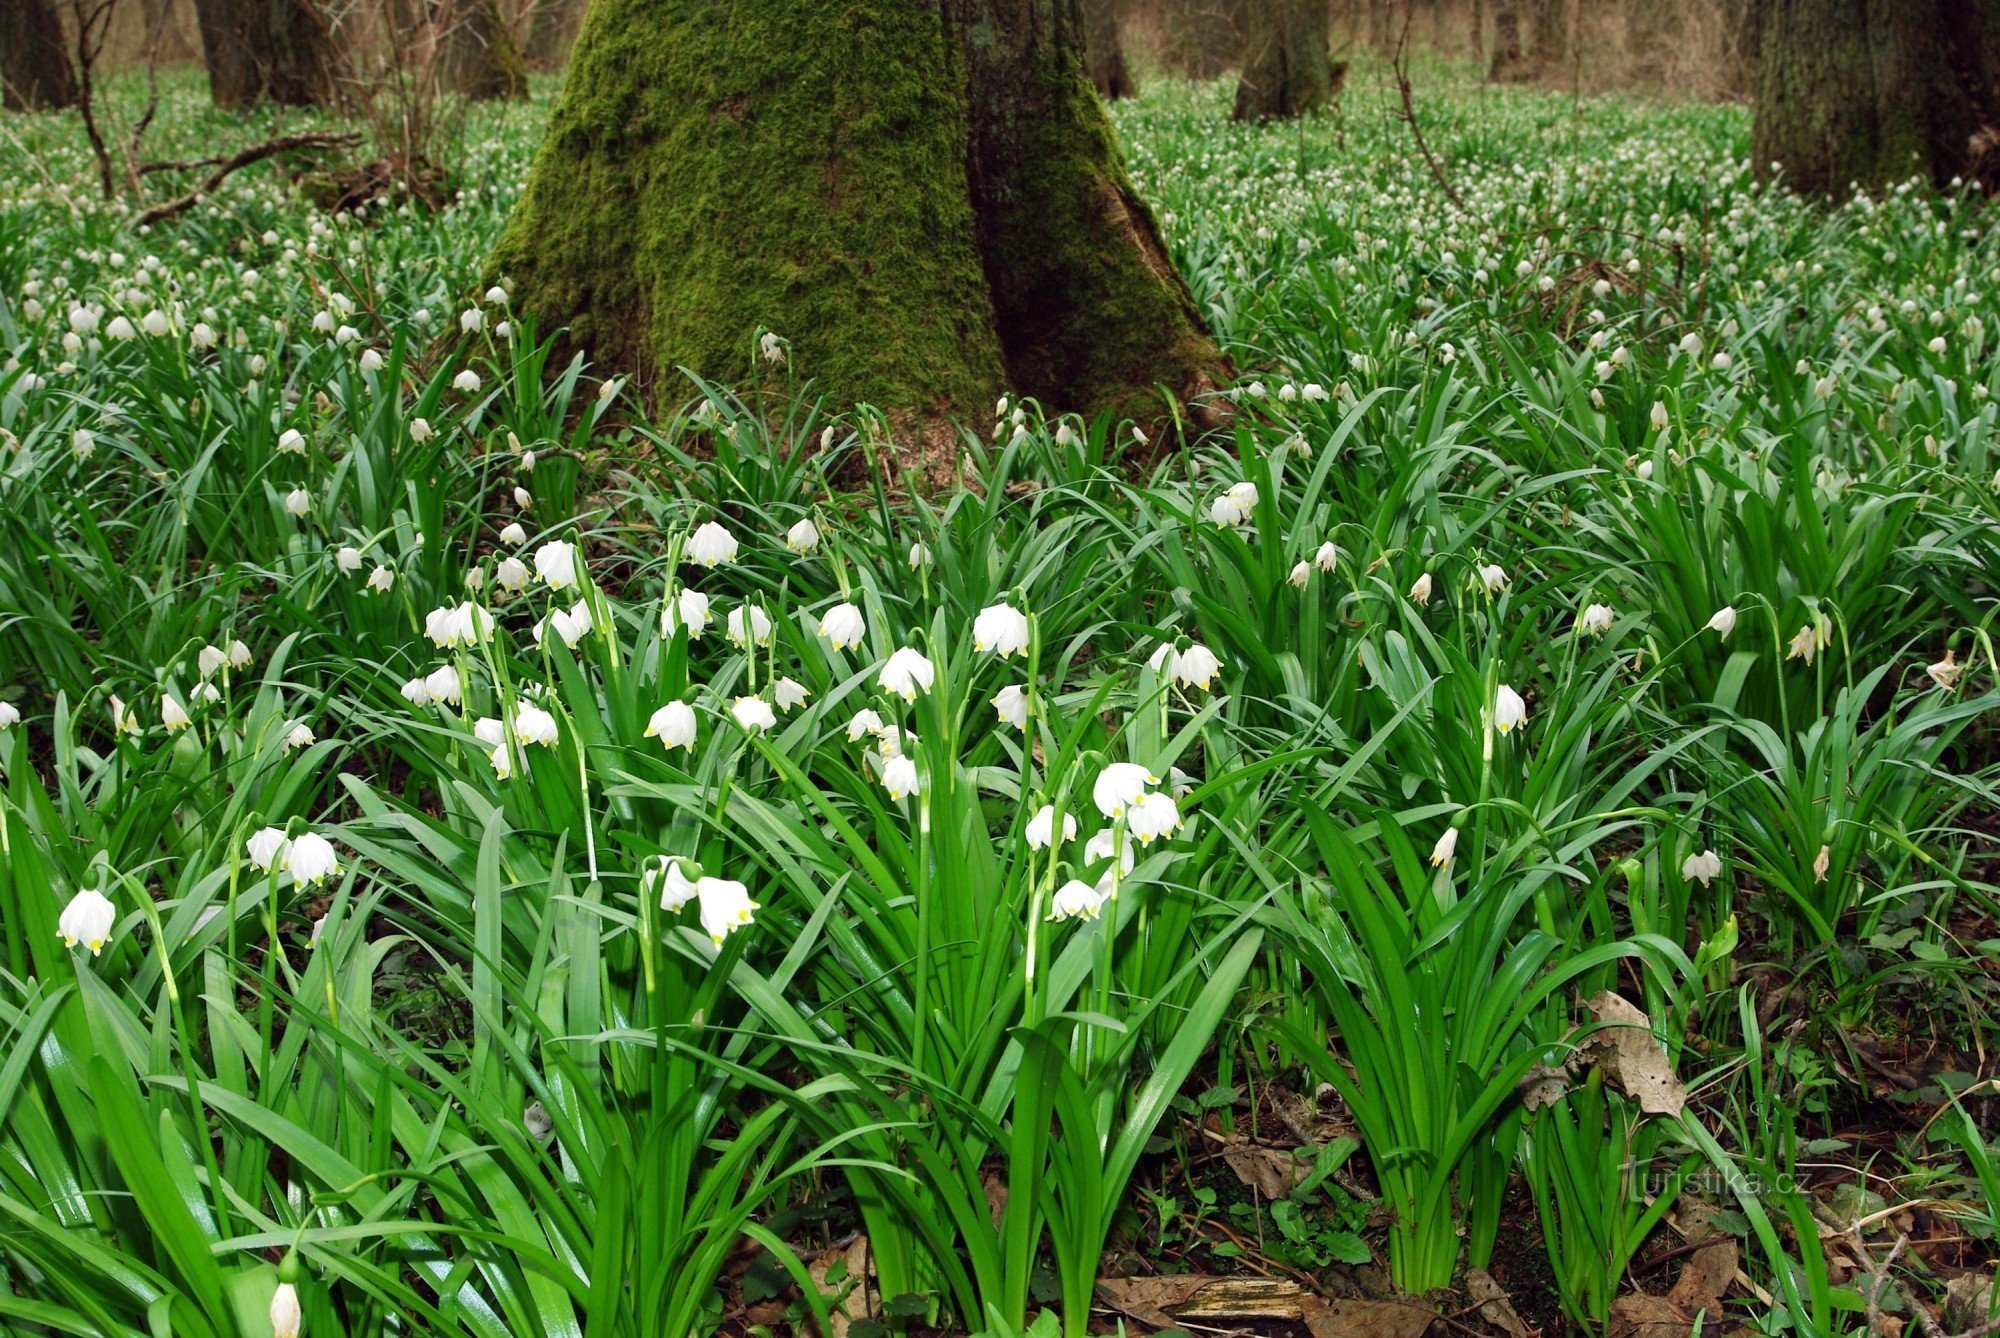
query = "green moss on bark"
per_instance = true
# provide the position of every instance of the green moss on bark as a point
(712, 169)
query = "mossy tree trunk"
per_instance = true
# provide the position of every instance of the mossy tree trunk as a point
(481, 61)
(1104, 46)
(926, 200)
(1203, 37)
(266, 51)
(1286, 69)
(35, 72)
(1509, 64)
(1871, 92)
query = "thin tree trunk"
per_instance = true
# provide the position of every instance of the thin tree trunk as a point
(1479, 31)
(1286, 70)
(34, 65)
(925, 200)
(551, 30)
(266, 51)
(1551, 49)
(1104, 44)
(1204, 37)
(1509, 65)
(481, 61)
(1870, 92)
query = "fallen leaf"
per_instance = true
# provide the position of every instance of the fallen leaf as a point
(854, 1289)
(1149, 1299)
(1637, 1315)
(1542, 1086)
(1630, 1054)
(1494, 1306)
(1272, 1172)
(1403, 1318)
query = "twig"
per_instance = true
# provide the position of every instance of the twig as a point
(1880, 1279)
(1401, 66)
(255, 153)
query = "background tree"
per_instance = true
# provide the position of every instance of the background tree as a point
(481, 60)
(551, 30)
(925, 199)
(1509, 64)
(1872, 91)
(34, 66)
(1286, 69)
(1203, 38)
(1104, 45)
(1551, 49)
(266, 51)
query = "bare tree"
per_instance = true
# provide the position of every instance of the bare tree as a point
(1551, 49)
(1509, 64)
(480, 60)
(34, 68)
(551, 30)
(1104, 47)
(1286, 69)
(1203, 37)
(266, 51)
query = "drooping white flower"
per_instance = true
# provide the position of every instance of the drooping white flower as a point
(88, 919)
(906, 673)
(124, 720)
(310, 859)
(347, 560)
(555, 564)
(1596, 619)
(1659, 416)
(417, 691)
(534, 725)
(441, 685)
(688, 609)
(1945, 672)
(299, 503)
(467, 381)
(206, 693)
(210, 660)
(920, 556)
(380, 579)
(803, 537)
(1494, 577)
(1508, 709)
(301, 736)
(1042, 826)
(172, 714)
(10, 715)
(754, 714)
(1196, 667)
(864, 722)
(1805, 644)
(899, 775)
(843, 626)
(1704, 867)
(747, 624)
(370, 361)
(1076, 899)
(292, 441)
(510, 573)
(1301, 573)
(286, 1316)
(513, 533)
(1012, 704)
(673, 725)
(1119, 786)
(82, 443)
(1445, 849)
(1420, 592)
(1235, 505)
(711, 546)
(1152, 816)
(1103, 844)
(420, 430)
(450, 626)
(725, 906)
(676, 888)
(1722, 622)
(489, 731)
(789, 694)
(502, 758)
(1000, 628)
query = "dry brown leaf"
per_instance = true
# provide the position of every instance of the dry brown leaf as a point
(1631, 1055)
(1149, 1299)
(1494, 1306)
(1403, 1318)
(1272, 1172)
(1637, 1315)
(1542, 1086)
(859, 1300)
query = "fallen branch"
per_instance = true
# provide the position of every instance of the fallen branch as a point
(255, 153)
(1401, 65)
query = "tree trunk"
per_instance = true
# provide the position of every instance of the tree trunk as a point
(551, 30)
(481, 61)
(1204, 37)
(1479, 31)
(1739, 63)
(1551, 51)
(266, 51)
(1104, 44)
(1286, 71)
(1870, 92)
(926, 200)
(1509, 65)
(34, 64)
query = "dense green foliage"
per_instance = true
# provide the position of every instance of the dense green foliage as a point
(619, 847)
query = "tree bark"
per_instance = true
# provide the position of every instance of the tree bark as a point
(1509, 65)
(481, 61)
(34, 64)
(1104, 44)
(266, 51)
(1286, 69)
(1870, 92)
(1204, 37)
(1551, 49)
(926, 200)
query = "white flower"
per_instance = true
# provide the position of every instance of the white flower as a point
(1000, 628)
(210, 660)
(82, 320)
(802, 537)
(420, 430)
(124, 719)
(82, 442)
(1076, 899)
(292, 441)
(417, 691)
(1946, 671)
(467, 381)
(1153, 815)
(1704, 868)
(1659, 415)
(348, 559)
(489, 731)
(754, 714)
(1301, 573)
(1196, 666)
(1103, 844)
(300, 737)
(88, 919)
(1805, 644)
(920, 556)
(1494, 577)
(749, 623)
(555, 564)
(689, 609)
(1596, 618)
(239, 655)
(265, 847)
(676, 888)
(789, 694)
(285, 1313)
(1012, 704)
(892, 741)
(673, 725)
(574, 624)
(1645, 470)
(172, 714)
(451, 626)
(10, 715)
(899, 776)
(371, 361)
(380, 579)
(155, 323)
(309, 859)
(843, 626)
(1420, 592)
(120, 328)
(711, 546)
(510, 573)
(1722, 622)
(1235, 505)
(502, 758)
(442, 685)
(497, 295)
(534, 725)
(512, 533)
(864, 722)
(472, 318)
(1119, 785)
(1508, 709)
(906, 673)
(1446, 847)
(299, 502)
(207, 694)
(725, 906)
(1042, 826)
